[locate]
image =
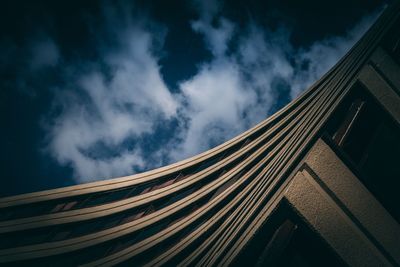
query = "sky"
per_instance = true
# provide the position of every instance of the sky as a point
(92, 90)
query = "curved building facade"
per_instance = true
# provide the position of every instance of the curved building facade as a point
(316, 184)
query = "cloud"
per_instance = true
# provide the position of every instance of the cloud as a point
(215, 102)
(24, 65)
(106, 109)
(32, 55)
(216, 37)
(238, 89)
(263, 57)
(108, 118)
(217, 30)
(323, 55)
(44, 53)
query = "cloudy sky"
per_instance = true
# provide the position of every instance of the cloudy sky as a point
(102, 89)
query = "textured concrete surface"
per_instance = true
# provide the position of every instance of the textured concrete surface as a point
(388, 67)
(353, 195)
(328, 219)
(381, 90)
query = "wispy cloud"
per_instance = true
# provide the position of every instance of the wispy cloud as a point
(108, 117)
(243, 85)
(43, 53)
(322, 55)
(109, 108)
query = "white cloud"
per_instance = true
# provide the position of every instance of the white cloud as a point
(127, 105)
(216, 38)
(236, 89)
(216, 100)
(323, 55)
(263, 58)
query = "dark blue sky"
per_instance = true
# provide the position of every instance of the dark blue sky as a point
(91, 90)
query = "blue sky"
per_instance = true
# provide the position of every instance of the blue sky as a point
(106, 89)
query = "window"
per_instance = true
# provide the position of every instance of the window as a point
(285, 240)
(294, 246)
(391, 41)
(369, 140)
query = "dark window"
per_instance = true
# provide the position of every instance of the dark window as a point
(285, 240)
(369, 141)
(294, 246)
(391, 41)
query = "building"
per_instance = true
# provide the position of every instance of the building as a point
(316, 184)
